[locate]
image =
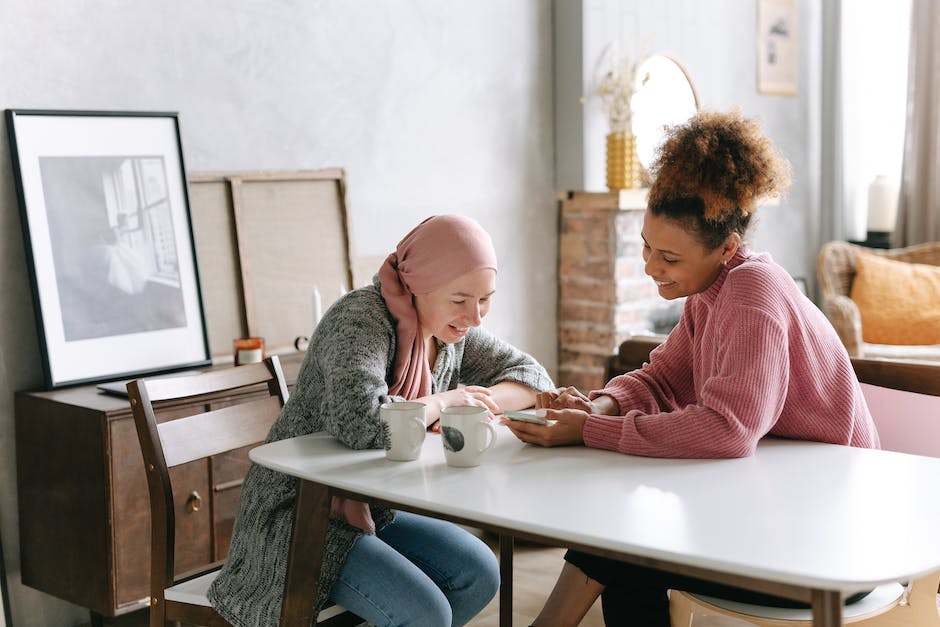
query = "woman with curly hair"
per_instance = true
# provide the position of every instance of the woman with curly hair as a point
(751, 356)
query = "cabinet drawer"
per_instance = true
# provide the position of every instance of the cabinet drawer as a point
(131, 515)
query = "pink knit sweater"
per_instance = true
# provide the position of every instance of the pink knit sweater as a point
(750, 356)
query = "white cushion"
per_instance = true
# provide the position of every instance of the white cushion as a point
(883, 597)
(194, 592)
(929, 353)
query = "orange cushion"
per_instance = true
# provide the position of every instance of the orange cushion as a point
(899, 301)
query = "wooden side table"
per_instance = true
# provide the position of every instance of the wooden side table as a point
(875, 239)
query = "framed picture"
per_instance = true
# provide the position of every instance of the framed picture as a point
(105, 214)
(777, 52)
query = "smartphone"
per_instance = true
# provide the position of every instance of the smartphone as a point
(526, 415)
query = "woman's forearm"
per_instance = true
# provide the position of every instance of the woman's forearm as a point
(511, 396)
(507, 396)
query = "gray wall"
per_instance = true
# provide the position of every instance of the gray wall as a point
(715, 40)
(431, 107)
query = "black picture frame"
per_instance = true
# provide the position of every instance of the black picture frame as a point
(104, 207)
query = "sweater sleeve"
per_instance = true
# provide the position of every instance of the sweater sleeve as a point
(657, 386)
(342, 382)
(735, 407)
(487, 360)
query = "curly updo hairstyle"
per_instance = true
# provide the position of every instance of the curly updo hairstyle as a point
(710, 172)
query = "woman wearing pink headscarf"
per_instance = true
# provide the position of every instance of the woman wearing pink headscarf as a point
(414, 334)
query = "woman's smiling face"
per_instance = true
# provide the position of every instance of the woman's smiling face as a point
(677, 261)
(448, 312)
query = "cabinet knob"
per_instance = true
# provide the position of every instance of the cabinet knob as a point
(194, 502)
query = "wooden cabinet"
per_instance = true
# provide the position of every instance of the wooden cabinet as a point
(83, 504)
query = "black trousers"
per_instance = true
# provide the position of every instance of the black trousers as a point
(636, 595)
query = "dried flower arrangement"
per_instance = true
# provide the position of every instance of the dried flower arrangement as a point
(615, 89)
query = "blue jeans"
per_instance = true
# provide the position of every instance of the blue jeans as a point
(417, 571)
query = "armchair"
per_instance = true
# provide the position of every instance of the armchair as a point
(835, 270)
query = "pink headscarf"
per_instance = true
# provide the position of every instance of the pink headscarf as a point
(435, 252)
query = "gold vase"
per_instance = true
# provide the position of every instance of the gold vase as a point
(623, 166)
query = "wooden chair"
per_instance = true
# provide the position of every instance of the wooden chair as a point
(631, 354)
(897, 392)
(251, 399)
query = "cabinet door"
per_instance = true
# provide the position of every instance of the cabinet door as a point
(131, 511)
(228, 471)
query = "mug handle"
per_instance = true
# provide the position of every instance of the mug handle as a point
(418, 428)
(491, 438)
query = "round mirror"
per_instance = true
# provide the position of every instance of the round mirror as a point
(663, 96)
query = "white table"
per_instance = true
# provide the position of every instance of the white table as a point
(803, 520)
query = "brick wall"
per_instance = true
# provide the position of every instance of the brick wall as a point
(604, 294)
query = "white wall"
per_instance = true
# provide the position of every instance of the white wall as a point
(430, 106)
(715, 40)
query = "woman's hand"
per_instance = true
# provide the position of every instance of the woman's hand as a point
(567, 429)
(475, 395)
(564, 398)
(572, 398)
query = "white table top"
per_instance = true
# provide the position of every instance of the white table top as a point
(801, 513)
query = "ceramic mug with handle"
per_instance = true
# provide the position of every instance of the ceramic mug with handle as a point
(467, 433)
(405, 428)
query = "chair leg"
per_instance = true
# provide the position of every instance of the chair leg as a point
(680, 609)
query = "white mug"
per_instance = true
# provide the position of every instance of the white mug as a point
(466, 432)
(404, 429)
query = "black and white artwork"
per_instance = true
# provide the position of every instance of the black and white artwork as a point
(106, 219)
(115, 258)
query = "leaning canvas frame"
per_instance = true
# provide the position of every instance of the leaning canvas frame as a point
(274, 253)
(105, 216)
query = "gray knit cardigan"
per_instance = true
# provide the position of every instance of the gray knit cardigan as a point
(341, 384)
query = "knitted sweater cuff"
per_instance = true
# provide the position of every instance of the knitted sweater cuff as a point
(603, 432)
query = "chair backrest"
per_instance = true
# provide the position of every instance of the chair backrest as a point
(835, 265)
(174, 427)
(904, 399)
(631, 354)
